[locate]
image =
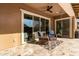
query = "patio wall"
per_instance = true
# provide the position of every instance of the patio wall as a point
(53, 24)
(10, 24)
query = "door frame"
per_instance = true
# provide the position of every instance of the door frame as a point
(70, 25)
(22, 20)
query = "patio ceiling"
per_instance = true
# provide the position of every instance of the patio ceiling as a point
(76, 8)
(41, 7)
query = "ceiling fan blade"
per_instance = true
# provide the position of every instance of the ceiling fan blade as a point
(49, 7)
(50, 11)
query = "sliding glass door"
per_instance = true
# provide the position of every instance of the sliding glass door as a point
(47, 26)
(36, 24)
(43, 24)
(63, 28)
(33, 24)
(59, 28)
(28, 25)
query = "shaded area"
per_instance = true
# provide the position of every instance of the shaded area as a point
(10, 19)
(45, 44)
(53, 44)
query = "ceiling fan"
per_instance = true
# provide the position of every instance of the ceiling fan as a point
(49, 9)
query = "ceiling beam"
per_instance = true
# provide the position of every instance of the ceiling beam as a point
(67, 8)
(76, 8)
(75, 5)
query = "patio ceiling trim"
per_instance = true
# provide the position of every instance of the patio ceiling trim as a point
(28, 12)
(67, 8)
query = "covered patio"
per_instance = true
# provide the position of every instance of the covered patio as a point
(21, 24)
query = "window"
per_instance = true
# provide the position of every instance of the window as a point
(47, 26)
(28, 24)
(77, 23)
(43, 24)
(36, 24)
(33, 24)
(62, 28)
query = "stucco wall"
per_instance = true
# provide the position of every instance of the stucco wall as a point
(10, 26)
(53, 24)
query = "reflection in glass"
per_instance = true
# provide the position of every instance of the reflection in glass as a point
(62, 28)
(65, 31)
(58, 28)
(28, 24)
(36, 24)
(47, 26)
(43, 24)
(77, 23)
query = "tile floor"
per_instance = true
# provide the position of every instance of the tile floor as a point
(68, 47)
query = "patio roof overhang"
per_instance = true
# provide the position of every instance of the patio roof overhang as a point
(67, 7)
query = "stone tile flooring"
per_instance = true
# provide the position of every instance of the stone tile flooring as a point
(68, 47)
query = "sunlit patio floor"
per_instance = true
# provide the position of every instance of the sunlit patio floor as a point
(68, 47)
